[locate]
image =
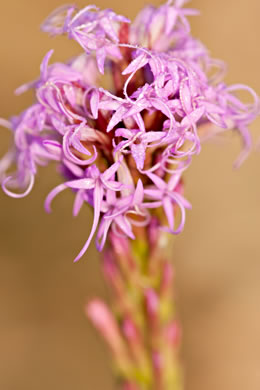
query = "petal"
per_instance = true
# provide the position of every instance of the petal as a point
(54, 148)
(185, 97)
(152, 205)
(94, 101)
(125, 177)
(177, 196)
(108, 28)
(45, 64)
(124, 226)
(73, 168)
(5, 123)
(24, 88)
(179, 229)
(84, 14)
(52, 195)
(111, 171)
(78, 203)
(139, 193)
(86, 184)
(111, 197)
(139, 106)
(13, 194)
(54, 24)
(116, 118)
(169, 212)
(161, 106)
(125, 133)
(140, 213)
(111, 105)
(138, 153)
(76, 143)
(256, 101)
(6, 161)
(247, 146)
(70, 138)
(137, 63)
(171, 18)
(102, 232)
(119, 209)
(193, 117)
(174, 180)
(152, 136)
(113, 185)
(157, 180)
(139, 121)
(153, 193)
(101, 57)
(98, 198)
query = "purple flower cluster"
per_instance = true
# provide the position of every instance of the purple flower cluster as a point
(123, 148)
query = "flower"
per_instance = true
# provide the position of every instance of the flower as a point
(123, 149)
(166, 194)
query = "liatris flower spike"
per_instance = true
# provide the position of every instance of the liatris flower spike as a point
(123, 121)
(123, 149)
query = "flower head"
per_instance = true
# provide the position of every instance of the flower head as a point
(123, 149)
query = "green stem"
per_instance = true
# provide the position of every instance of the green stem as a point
(140, 274)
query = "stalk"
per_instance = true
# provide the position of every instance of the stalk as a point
(141, 326)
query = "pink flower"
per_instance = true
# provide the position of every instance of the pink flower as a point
(123, 149)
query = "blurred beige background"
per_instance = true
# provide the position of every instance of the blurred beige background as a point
(45, 340)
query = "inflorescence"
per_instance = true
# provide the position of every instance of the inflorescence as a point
(123, 148)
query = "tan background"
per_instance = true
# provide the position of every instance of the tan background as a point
(45, 341)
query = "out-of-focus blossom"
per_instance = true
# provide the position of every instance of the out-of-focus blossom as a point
(101, 316)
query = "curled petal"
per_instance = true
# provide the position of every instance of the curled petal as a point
(70, 138)
(45, 63)
(144, 213)
(247, 146)
(56, 22)
(54, 148)
(98, 197)
(168, 209)
(13, 194)
(182, 203)
(256, 101)
(49, 95)
(124, 225)
(6, 162)
(82, 15)
(52, 195)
